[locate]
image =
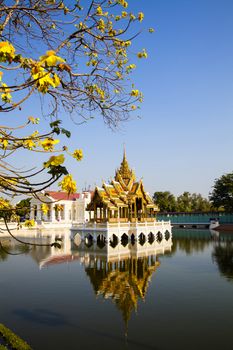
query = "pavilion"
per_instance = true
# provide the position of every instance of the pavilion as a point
(122, 200)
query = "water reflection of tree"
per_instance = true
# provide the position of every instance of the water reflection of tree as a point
(190, 246)
(11, 247)
(3, 254)
(125, 282)
(190, 241)
(223, 255)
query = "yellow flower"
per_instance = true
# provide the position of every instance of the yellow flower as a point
(34, 120)
(142, 54)
(140, 16)
(123, 3)
(101, 25)
(119, 75)
(133, 107)
(4, 142)
(48, 144)
(134, 93)
(30, 144)
(132, 17)
(124, 14)
(55, 161)
(68, 184)
(78, 154)
(4, 204)
(44, 208)
(7, 51)
(6, 96)
(29, 223)
(51, 59)
(99, 11)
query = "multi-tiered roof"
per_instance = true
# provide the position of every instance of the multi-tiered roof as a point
(124, 192)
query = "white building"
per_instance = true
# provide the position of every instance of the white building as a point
(62, 209)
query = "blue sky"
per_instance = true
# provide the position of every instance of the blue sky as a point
(183, 140)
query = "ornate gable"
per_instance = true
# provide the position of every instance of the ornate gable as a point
(124, 175)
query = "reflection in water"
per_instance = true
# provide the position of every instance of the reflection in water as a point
(193, 241)
(119, 270)
(58, 299)
(223, 255)
(125, 281)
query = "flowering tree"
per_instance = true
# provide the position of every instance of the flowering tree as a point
(81, 65)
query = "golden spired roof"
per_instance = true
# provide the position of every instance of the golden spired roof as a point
(124, 174)
(121, 193)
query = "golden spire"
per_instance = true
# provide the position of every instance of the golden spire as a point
(124, 173)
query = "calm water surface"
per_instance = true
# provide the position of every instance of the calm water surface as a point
(76, 299)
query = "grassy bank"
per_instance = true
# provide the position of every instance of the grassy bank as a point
(11, 340)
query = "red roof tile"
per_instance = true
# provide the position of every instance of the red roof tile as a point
(62, 195)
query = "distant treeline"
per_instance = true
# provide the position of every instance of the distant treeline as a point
(186, 202)
(220, 199)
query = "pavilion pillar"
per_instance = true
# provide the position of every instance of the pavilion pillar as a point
(95, 212)
(38, 212)
(32, 212)
(52, 213)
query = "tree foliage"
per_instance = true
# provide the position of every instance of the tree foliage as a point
(22, 208)
(222, 194)
(186, 202)
(73, 56)
(165, 200)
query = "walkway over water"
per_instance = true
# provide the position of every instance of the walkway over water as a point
(196, 218)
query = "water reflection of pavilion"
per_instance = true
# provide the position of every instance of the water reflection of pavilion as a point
(125, 282)
(121, 273)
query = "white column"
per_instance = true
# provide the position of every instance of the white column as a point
(32, 212)
(38, 211)
(52, 217)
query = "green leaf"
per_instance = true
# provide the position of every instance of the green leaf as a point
(66, 132)
(55, 123)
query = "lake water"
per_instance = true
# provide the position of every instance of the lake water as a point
(80, 298)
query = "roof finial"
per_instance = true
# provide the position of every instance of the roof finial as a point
(124, 154)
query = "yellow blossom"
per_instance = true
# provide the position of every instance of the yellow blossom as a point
(123, 3)
(51, 59)
(55, 161)
(44, 208)
(140, 16)
(134, 93)
(68, 184)
(4, 143)
(119, 75)
(142, 54)
(78, 154)
(5, 96)
(4, 204)
(30, 144)
(101, 25)
(29, 223)
(48, 144)
(7, 51)
(34, 120)
(99, 11)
